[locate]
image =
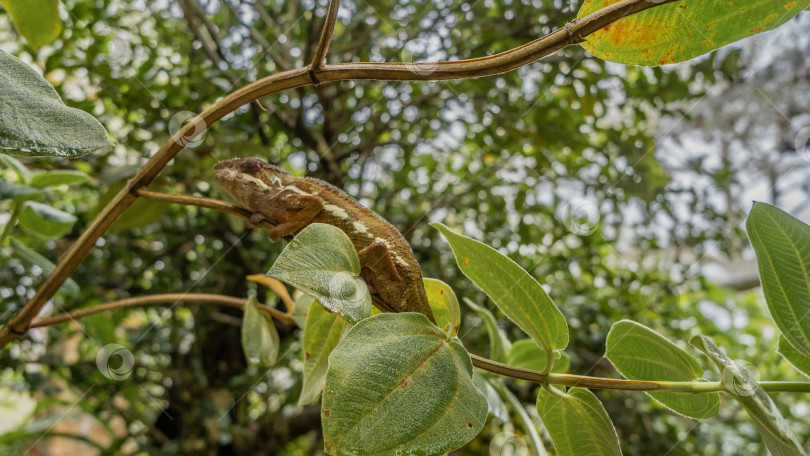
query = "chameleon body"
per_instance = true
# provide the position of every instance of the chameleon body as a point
(291, 203)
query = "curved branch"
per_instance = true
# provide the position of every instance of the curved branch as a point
(573, 33)
(319, 58)
(157, 300)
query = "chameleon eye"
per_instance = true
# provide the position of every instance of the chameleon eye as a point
(251, 165)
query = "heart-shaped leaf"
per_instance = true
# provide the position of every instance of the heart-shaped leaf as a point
(444, 305)
(35, 120)
(577, 423)
(321, 262)
(773, 428)
(782, 244)
(398, 385)
(322, 333)
(515, 292)
(260, 340)
(681, 30)
(640, 353)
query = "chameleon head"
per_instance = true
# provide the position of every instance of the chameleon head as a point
(251, 182)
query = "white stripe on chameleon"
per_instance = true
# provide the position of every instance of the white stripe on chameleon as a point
(295, 189)
(336, 211)
(360, 228)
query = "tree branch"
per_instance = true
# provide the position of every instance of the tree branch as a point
(326, 36)
(573, 33)
(158, 300)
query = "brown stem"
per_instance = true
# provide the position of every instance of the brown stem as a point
(208, 203)
(319, 58)
(574, 32)
(157, 300)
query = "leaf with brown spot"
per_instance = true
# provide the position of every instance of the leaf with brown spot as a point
(372, 413)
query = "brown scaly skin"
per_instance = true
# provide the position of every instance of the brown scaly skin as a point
(292, 203)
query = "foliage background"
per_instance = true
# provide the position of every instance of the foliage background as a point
(659, 164)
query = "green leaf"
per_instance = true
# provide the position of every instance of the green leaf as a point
(782, 244)
(9, 190)
(59, 177)
(527, 355)
(46, 220)
(322, 333)
(577, 423)
(499, 345)
(444, 305)
(793, 356)
(28, 254)
(36, 121)
(36, 20)
(321, 262)
(681, 30)
(777, 435)
(516, 293)
(260, 340)
(397, 385)
(496, 406)
(639, 353)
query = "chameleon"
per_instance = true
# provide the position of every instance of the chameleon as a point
(291, 203)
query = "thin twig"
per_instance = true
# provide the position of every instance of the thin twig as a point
(158, 300)
(209, 203)
(319, 58)
(573, 33)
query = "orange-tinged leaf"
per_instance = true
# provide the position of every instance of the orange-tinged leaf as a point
(681, 30)
(277, 287)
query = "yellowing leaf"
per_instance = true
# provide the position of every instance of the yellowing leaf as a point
(681, 30)
(36, 20)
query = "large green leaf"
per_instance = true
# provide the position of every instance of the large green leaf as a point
(639, 353)
(782, 244)
(775, 432)
(37, 20)
(444, 305)
(322, 333)
(321, 262)
(397, 385)
(794, 357)
(516, 293)
(577, 423)
(260, 340)
(36, 121)
(681, 30)
(46, 220)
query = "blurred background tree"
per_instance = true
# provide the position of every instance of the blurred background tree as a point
(622, 188)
